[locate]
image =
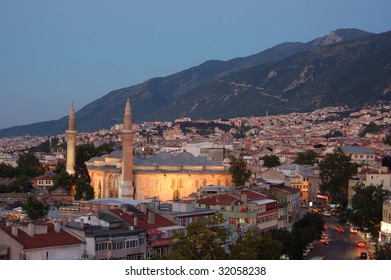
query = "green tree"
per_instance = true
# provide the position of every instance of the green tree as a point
(335, 170)
(63, 180)
(79, 184)
(367, 204)
(308, 157)
(35, 209)
(386, 161)
(239, 171)
(270, 161)
(246, 247)
(20, 185)
(82, 180)
(308, 229)
(387, 139)
(204, 240)
(105, 148)
(7, 171)
(382, 252)
(370, 128)
(290, 245)
(29, 165)
(269, 249)
(256, 247)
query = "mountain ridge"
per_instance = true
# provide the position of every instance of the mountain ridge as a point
(158, 98)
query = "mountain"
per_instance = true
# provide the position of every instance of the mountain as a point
(281, 79)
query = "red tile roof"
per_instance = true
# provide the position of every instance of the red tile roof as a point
(219, 199)
(44, 177)
(291, 190)
(49, 239)
(142, 220)
(251, 195)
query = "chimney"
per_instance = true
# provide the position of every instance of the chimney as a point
(143, 207)
(243, 198)
(135, 221)
(30, 229)
(124, 209)
(14, 230)
(57, 226)
(8, 223)
(151, 217)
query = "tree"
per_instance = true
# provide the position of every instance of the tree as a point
(82, 180)
(7, 171)
(370, 128)
(335, 170)
(308, 229)
(62, 180)
(35, 209)
(204, 240)
(367, 204)
(238, 169)
(256, 247)
(386, 161)
(382, 252)
(246, 247)
(29, 165)
(387, 139)
(270, 160)
(308, 157)
(290, 246)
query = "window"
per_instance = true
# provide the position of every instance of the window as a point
(101, 246)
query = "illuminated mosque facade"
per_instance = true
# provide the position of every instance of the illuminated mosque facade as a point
(163, 176)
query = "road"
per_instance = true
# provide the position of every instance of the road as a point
(343, 245)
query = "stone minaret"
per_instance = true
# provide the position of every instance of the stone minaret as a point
(126, 189)
(71, 142)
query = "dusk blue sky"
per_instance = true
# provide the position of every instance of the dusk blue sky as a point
(56, 52)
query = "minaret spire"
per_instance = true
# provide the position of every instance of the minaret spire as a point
(71, 122)
(70, 135)
(126, 189)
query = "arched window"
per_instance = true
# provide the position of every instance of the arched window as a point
(176, 195)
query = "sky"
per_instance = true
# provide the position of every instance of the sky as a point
(53, 53)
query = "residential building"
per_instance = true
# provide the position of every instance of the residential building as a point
(47, 241)
(234, 209)
(381, 176)
(385, 225)
(183, 213)
(289, 204)
(108, 237)
(159, 230)
(43, 183)
(363, 156)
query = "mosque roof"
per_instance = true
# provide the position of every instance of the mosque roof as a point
(163, 158)
(115, 154)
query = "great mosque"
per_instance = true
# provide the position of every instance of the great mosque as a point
(163, 176)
